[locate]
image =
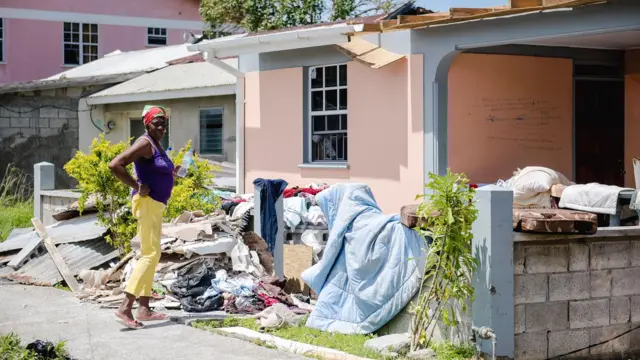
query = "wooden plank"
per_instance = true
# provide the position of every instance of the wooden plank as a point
(462, 12)
(371, 27)
(518, 4)
(407, 19)
(57, 258)
(297, 258)
(424, 21)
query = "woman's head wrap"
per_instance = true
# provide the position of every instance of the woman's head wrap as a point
(151, 112)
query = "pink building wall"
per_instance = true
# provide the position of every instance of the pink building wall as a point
(165, 9)
(490, 96)
(33, 49)
(385, 130)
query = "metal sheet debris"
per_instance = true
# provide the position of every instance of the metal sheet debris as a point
(79, 229)
(79, 256)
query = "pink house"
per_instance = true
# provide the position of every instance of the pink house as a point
(385, 102)
(42, 38)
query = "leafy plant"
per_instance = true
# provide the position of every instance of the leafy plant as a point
(11, 349)
(98, 184)
(448, 213)
(191, 193)
(112, 197)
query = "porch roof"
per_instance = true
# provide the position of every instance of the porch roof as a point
(277, 41)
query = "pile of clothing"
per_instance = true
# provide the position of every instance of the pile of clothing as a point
(300, 206)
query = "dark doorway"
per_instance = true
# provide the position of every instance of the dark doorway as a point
(599, 130)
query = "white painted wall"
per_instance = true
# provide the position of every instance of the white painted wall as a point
(184, 124)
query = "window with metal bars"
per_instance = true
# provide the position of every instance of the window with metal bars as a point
(211, 137)
(156, 36)
(328, 113)
(80, 43)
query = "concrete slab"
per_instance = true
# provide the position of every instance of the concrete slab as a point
(92, 333)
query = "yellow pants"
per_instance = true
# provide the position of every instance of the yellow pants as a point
(149, 214)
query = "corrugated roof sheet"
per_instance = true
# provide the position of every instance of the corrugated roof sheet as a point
(127, 62)
(78, 256)
(74, 230)
(175, 77)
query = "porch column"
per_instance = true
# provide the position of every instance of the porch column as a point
(493, 280)
(44, 178)
(436, 106)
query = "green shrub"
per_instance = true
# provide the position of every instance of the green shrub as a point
(112, 197)
(11, 349)
(190, 193)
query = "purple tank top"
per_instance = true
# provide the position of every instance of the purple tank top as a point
(156, 173)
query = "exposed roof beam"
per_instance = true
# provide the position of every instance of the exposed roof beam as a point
(517, 4)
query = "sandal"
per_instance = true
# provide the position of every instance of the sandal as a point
(129, 323)
(155, 316)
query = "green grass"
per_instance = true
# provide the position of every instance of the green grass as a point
(448, 351)
(62, 286)
(351, 344)
(11, 348)
(13, 217)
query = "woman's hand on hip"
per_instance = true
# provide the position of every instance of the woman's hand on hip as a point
(143, 190)
(176, 169)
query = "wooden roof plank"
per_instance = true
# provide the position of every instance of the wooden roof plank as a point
(407, 19)
(421, 21)
(460, 12)
(518, 4)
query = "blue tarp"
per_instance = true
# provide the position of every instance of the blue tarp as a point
(371, 267)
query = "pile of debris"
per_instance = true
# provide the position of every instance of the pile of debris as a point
(208, 263)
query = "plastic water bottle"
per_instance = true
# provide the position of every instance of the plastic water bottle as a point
(186, 162)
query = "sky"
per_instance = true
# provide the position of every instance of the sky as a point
(445, 5)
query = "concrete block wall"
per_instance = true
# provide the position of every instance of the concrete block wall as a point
(40, 126)
(570, 294)
(55, 201)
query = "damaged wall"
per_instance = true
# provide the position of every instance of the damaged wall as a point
(40, 126)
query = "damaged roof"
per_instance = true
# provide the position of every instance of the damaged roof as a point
(79, 256)
(127, 62)
(75, 230)
(458, 15)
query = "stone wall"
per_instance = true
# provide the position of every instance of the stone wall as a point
(40, 126)
(573, 293)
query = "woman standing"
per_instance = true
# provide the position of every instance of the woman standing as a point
(150, 193)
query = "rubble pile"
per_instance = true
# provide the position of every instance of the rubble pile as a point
(208, 263)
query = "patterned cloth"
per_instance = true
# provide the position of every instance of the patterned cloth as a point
(151, 112)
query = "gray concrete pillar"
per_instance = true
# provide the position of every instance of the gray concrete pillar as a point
(493, 280)
(278, 252)
(44, 178)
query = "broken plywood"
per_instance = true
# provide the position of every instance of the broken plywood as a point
(297, 258)
(367, 53)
